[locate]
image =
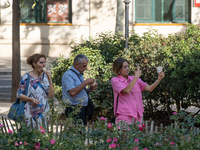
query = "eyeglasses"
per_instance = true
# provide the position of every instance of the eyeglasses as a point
(126, 67)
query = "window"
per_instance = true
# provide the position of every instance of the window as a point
(162, 11)
(46, 11)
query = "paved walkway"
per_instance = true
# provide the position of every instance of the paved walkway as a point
(4, 107)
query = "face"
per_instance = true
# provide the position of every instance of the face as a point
(125, 70)
(40, 64)
(81, 67)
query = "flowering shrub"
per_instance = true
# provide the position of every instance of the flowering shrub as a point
(107, 136)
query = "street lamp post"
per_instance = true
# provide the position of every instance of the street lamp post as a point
(126, 22)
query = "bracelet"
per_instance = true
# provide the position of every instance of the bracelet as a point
(157, 82)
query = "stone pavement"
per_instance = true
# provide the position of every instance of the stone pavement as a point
(4, 108)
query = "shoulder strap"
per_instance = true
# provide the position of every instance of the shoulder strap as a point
(117, 104)
(27, 83)
(26, 90)
(76, 74)
(79, 78)
(42, 86)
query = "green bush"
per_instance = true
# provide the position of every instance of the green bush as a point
(178, 54)
(183, 67)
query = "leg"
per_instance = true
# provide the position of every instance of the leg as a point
(81, 115)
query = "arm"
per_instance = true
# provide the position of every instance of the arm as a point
(28, 99)
(51, 89)
(73, 92)
(151, 87)
(128, 89)
(21, 92)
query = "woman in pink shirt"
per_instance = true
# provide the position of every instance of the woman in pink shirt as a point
(127, 89)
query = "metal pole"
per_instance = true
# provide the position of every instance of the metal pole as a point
(126, 22)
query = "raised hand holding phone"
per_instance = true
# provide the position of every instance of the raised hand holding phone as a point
(138, 71)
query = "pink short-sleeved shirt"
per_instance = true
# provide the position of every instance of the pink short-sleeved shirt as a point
(128, 104)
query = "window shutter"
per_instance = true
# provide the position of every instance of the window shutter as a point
(180, 11)
(144, 10)
(41, 11)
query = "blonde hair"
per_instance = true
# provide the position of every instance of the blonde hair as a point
(34, 59)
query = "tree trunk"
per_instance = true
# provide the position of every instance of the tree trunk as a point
(119, 17)
(16, 72)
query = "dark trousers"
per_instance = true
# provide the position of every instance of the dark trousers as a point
(81, 115)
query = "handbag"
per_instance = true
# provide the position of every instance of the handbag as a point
(16, 111)
(90, 107)
(114, 118)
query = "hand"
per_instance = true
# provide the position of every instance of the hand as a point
(35, 102)
(161, 75)
(48, 73)
(94, 87)
(138, 72)
(89, 81)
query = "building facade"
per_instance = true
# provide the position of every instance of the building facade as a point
(48, 26)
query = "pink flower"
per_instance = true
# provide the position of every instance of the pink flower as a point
(135, 148)
(20, 142)
(102, 118)
(174, 113)
(52, 141)
(158, 144)
(109, 140)
(143, 125)
(189, 139)
(10, 131)
(37, 145)
(115, 140)
(16, 144)
(172, 143)
(43, 131)
(46, 149)
(146, 149)
(25, 143)
(109, 125)
(140, 128)
(1, 125)
(112, 145)
(136, 140)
